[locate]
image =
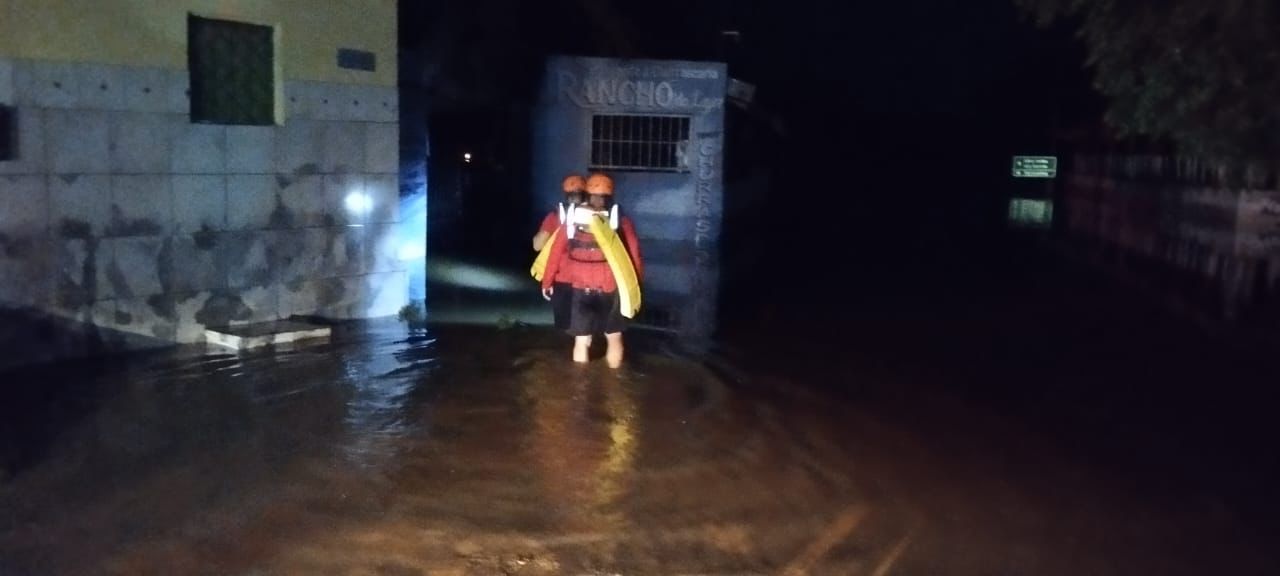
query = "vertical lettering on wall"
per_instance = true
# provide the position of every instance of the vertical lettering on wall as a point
(704, 284)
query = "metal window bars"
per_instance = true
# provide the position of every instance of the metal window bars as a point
(641, 143)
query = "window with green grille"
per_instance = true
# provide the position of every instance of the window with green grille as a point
(232, 68)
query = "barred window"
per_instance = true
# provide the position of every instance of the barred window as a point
(232, 66)
(645, 143)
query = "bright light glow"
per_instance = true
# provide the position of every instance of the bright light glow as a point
(465, 275)
(466, 157)
(411, 251)
(358, 203)
(411, 237)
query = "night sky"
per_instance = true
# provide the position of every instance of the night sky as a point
(899, 68)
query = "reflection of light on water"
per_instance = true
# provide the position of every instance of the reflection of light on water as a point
(373, 431)
(378, 415)
(586, 464)
(612, 475)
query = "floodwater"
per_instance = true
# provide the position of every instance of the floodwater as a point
(478, 450)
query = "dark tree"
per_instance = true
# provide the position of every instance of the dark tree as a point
(1203, 75)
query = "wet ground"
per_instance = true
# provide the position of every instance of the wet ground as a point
(481, 450)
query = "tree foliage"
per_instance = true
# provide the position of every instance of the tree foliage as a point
(1201, 74)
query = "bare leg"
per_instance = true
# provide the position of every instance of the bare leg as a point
(581, 346)
(614, 354)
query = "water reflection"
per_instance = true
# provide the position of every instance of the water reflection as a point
(193, 445)
(489, 452)
(376, 453)
(584, 441)
(380, 416)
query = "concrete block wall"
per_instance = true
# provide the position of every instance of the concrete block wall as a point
(121, 213)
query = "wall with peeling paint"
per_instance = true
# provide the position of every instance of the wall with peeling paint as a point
(677, 213)
(120, 215)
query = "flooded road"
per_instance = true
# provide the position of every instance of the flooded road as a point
(478, 450)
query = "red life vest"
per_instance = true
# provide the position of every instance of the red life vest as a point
(583, 247)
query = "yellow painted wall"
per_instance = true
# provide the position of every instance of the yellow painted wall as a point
(154, 32)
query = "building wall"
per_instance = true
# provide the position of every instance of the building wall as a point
(122, 214)
(1204, 235)
(677, 214)
(153, 33)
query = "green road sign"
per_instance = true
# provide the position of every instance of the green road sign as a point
(1032, 212)
(1035, 166)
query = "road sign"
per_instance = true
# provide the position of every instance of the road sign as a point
(1031, 212)
(1035, 166)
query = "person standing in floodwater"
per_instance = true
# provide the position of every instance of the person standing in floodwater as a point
(574, 187)
(595, 303)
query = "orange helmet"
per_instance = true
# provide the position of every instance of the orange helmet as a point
(600, 184)
(573, 183)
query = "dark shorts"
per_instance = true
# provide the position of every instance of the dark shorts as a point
(561, 304)
(595, 312)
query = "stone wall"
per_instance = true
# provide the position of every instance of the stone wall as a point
(120, 213)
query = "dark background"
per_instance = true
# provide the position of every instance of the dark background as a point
(885, 129)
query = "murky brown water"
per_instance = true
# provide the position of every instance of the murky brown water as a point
(480, 451)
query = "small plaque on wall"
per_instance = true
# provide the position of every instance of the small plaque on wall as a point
(8, 133)
(353, 59)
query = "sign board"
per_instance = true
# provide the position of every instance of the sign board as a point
(1031, 212)
(1035, 166)
(353, 59)
(8, 133)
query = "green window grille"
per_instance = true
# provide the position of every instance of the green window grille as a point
(232, 68)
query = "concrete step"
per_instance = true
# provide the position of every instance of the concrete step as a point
(246, 336)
